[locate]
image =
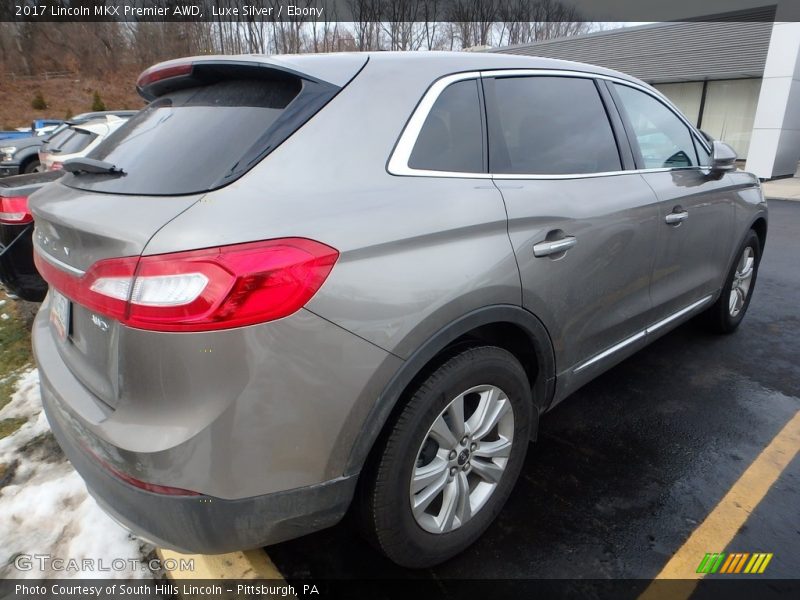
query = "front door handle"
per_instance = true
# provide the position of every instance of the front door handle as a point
(547, 248)
(676, 218)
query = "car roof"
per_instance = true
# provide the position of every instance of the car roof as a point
(339, 67)
(451, 62)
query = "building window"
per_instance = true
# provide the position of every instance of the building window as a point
(686, 96)
(730, 111)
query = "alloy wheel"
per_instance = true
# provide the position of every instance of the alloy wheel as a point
(742, 279)
(462, 459)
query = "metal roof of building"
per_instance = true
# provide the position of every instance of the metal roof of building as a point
(732, 47)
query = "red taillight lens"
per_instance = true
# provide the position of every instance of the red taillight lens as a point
(56, 166)
(158, 72)
(202, 290)
(14, 210)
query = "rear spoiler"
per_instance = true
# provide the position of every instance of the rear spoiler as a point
(168, 76)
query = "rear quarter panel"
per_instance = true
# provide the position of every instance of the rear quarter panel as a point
(415, 252)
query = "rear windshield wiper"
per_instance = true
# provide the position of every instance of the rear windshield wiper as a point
(91, 165)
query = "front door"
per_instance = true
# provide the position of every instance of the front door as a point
(696, 211)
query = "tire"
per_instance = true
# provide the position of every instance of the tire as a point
(725, 314)
(32, 166)
(482, 377)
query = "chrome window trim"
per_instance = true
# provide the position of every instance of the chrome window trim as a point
(642, 334)
(398, 162)
(401, 154)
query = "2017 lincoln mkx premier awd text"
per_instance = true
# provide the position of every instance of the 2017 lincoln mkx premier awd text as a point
(294, 284)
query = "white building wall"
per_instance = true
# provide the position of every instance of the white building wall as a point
(775, 144)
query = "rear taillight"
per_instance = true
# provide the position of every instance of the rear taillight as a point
(14, 210)
(56, 166)
(201, 290)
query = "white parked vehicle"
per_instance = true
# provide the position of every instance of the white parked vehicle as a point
(77, 141)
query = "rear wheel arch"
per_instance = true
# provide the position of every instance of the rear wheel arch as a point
(23, 164)
(507, 326)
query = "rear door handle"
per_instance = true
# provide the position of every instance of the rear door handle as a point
(547, 248)
(676, 218)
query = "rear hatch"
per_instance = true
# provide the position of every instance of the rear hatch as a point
(209, 121)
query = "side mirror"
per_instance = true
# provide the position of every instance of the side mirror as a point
(723, 157)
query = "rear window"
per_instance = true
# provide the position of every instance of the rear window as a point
(77, 141)
(197, 139)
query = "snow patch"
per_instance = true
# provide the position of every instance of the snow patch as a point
(45, 508)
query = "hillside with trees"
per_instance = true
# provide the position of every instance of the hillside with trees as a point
(68, 62)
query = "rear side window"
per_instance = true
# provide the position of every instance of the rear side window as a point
(58, 138)
(76, 142)
(664, 140)
(201, 138)
(550, 126)
(451, 139)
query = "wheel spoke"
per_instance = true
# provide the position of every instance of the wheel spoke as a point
(746, 272)
(497, 449)
(428, 494)
(487, 470)
(441, 432)
(492, 407)
(449, 506)
(464, 509)
(428, 474)
(456, 413)
(732, 301)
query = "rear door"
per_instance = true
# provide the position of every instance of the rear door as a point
(696, 211)
(582, 228)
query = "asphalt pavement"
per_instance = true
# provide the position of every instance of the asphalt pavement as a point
(628, 467)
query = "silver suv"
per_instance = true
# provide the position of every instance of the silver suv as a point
(296, 284)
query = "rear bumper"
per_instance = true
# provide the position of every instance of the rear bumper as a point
(202, 524)
(252, 427)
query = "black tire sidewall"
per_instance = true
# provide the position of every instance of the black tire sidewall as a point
(30, 166)
(398, 533)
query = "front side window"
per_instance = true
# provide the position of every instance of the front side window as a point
(451, 139)
(550, 126)
(664, 140)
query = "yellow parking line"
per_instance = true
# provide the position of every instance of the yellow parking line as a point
(721, 525)
(253, 564)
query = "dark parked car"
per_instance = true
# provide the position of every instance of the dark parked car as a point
(17, 271)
